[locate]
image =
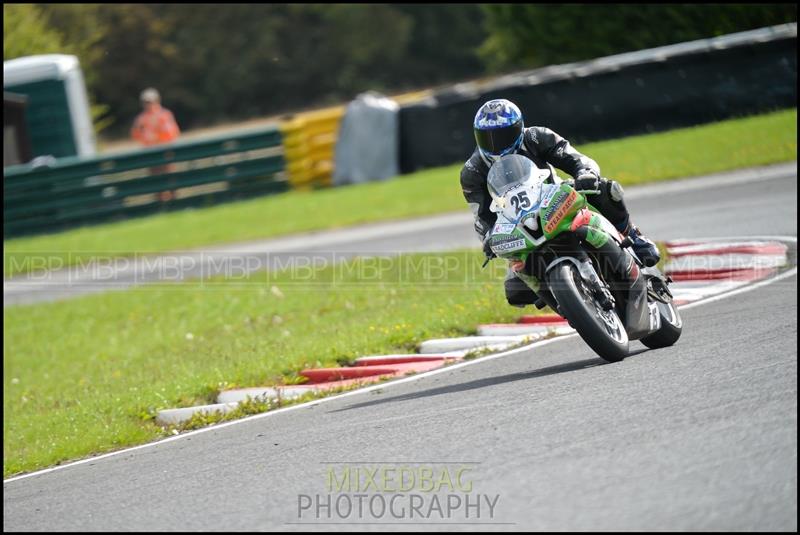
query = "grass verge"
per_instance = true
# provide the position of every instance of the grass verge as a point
(679, 153)
(87, 376)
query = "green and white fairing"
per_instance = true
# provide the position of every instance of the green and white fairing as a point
(531, 210)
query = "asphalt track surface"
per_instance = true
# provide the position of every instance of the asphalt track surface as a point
(698, 436)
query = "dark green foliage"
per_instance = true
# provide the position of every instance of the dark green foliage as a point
(222, 62)
(216, 62)
(533, 35)
(26, 32)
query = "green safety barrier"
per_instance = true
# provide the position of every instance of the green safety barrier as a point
(75, 191)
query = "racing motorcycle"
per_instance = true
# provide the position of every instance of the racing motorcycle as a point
(577, 262)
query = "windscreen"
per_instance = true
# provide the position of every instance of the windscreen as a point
(509, 171)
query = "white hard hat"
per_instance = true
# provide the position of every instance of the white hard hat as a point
(150, 95)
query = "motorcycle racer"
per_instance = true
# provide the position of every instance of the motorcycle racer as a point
(499, 130)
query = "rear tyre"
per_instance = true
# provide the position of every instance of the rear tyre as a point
(602, 330)
(671, 327)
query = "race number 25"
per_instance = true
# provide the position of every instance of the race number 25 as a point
(521, 201)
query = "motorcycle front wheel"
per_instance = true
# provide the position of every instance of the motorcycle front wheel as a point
(601, 329)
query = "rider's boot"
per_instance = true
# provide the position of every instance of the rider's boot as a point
(644, 247)
(518, 294)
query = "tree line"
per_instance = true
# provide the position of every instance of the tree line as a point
(222, 62)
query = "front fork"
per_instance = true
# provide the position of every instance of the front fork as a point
(571, 253)
(598, 288)
(591, 279)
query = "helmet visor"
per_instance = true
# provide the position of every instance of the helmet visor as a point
(496, 140)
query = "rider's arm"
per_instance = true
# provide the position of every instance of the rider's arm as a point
(557, 151)
(473, 185)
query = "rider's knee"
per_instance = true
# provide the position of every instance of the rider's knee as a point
(615, 191)
(611, 203)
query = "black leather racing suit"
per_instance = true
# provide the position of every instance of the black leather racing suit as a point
(546, 149)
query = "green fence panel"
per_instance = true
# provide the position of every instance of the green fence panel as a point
(74, 191)
(64, 170)
(17, 204)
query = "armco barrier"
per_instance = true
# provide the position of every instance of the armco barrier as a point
(626, 94)
(74, 191)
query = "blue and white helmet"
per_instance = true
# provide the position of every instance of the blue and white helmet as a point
(498, 128)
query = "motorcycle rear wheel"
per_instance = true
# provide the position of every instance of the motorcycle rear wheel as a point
(602, 330)
(671, 327)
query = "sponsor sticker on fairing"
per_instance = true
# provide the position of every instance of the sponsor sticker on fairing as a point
(504, 228)
(508, 246)
(556, 211)
(548, 197)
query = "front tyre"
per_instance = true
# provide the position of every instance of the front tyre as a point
(601, 329)
(671, 327)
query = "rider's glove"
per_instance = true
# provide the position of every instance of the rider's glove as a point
(587, 182)
(487, 250)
